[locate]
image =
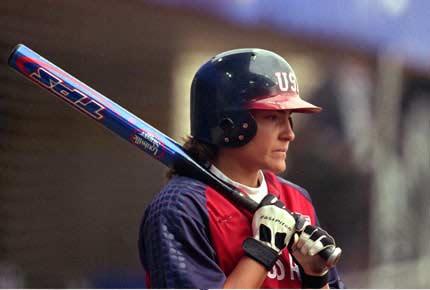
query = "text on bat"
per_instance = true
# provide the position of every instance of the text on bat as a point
(71, 95)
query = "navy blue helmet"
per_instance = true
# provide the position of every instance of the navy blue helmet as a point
(232, 83)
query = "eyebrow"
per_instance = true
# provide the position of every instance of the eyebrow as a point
(284, 112)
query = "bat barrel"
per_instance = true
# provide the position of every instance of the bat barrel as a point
(93, 104)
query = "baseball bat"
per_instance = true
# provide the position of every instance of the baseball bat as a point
(128, 126)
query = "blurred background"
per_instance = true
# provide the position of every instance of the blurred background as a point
(72, 194)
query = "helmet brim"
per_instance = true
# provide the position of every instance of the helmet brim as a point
(284, 102)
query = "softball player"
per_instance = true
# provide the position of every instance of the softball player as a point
(241, 128)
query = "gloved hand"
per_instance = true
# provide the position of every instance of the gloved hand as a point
(312, 240)
(272, 228)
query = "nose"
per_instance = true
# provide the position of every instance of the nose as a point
(287, 133)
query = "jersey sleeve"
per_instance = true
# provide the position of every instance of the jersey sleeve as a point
(334, 280)
(174, 242)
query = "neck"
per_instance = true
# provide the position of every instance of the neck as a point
(237, 171)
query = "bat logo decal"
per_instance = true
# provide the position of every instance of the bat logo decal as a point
(67, 92)
(147, 142)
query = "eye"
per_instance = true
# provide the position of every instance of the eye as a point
(271, 117)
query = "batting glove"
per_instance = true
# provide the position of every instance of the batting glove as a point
(312, 240)
(272, 227)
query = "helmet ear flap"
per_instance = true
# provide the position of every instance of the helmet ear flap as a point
(235, 129)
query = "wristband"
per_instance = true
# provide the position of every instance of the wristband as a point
(313, 282)
(260, 253)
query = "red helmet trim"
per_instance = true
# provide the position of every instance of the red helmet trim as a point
(283, 102)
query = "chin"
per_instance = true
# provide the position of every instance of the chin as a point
(279, 170)
(278, 167)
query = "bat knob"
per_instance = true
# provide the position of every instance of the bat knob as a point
(333, 257)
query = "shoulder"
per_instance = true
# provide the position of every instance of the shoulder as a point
(181, 196)
(174, 243)
(180, 188)
(287, 185)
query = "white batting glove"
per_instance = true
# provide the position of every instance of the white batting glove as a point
(312, 240)
(272, 227)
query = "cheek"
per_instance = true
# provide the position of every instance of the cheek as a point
(257, 149)
(261, 144)
(266, 140)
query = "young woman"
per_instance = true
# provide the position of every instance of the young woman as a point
(241, 128)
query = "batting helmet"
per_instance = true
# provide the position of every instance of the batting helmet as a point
(229, 85)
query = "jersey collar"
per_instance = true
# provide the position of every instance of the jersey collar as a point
(256, 193)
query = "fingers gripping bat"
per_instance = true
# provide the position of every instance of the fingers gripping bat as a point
(128, 126)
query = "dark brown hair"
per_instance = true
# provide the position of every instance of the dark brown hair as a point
(200, 151)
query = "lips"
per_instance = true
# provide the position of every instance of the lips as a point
(281, 150)
(280, 153)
